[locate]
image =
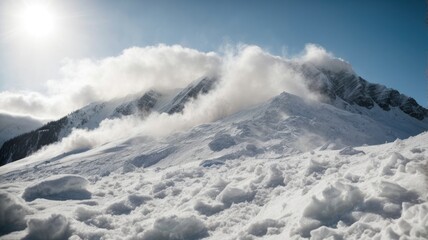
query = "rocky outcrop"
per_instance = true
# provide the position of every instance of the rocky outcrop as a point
(191, 92)
(356, 90)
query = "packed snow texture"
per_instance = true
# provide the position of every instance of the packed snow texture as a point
(12, 213)
(378, 194)
(56, 227)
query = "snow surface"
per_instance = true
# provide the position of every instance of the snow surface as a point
(286, 169)
(380, 193)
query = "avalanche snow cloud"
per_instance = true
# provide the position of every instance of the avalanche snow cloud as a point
(162, 68)
(247, 76)
(135, 70)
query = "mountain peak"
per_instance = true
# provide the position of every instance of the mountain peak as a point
(353, 89)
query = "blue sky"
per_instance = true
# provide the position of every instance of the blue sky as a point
(385, 41)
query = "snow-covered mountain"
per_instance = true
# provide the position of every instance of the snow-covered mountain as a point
(92, 115)
(353, 89)
(12, 126)
(340, 88)
(291, 167)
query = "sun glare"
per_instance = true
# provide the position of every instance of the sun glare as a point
(37, 21)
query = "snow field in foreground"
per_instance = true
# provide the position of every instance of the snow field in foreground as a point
(375, 192)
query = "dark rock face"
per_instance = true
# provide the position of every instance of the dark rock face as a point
(356, 90)
(190, 92)
(27, 143)
(221, 141)
(143, 105)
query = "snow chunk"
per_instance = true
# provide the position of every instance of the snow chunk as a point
(208, 209)
(395, 161)
(56, 227)
(147, 160)
(325, 233)
(221, 141)
(84, 214)
(12, 213)
(262, 228)
(414, 221)
(175, 228)
(316, 167)
(275, 177)
(235, 195)
(395, 193)
(94, 218)
(125, 206)
(59, 187)
(350, 151)
(336, 204)
(215, 189)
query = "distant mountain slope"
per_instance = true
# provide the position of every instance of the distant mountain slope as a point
(285, 125)
(12, 126)
(92, 115)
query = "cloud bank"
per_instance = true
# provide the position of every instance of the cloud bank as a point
(248, 76)
(135, 70)
(162, 67)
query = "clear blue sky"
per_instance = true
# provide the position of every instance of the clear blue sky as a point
(386, 41)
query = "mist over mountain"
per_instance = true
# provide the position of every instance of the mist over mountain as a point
(12, 126)
(249, 77)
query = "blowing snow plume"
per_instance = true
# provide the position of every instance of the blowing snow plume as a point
(162, 68)
(136, 70)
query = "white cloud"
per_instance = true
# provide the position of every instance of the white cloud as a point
(135, 70)
(318, 56)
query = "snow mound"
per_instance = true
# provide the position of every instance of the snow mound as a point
(337, 203)
(176, 228)
(232, 195)
(93, 218)
(59, 187)
(350, 151)
(12, 213)
(84, 214)
(128, 204)
(147, 160)
(208, 209)
(275, 177)
(56, 227)
(413, 222)
(266, 226)
(396, 193)
(221, 141)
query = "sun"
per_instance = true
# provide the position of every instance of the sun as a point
(37, 21)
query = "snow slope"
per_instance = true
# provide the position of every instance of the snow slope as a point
(286, 169)
(12, 126)
(373, 192)
(90, 117)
